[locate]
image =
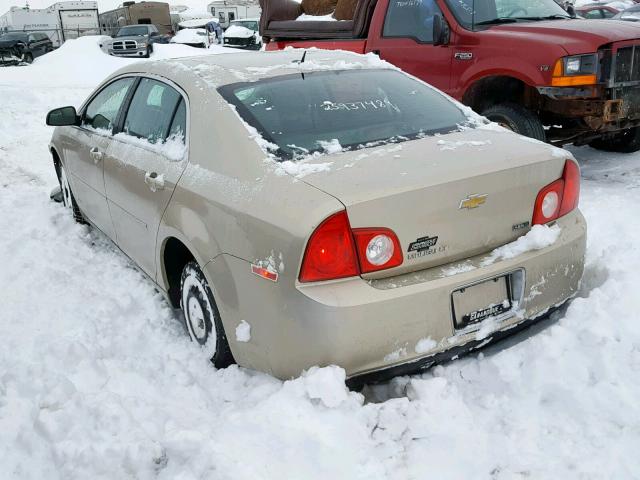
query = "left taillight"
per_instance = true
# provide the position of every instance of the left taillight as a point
(336, 251)
(331, 251)
(559, 197)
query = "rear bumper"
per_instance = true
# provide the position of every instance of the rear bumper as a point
(402, 323)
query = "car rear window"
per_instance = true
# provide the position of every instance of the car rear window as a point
(305, 112)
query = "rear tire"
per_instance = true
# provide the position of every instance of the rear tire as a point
(201, 316)
(68, 199)
(628, 141)
(518, 119)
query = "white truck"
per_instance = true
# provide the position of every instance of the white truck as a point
(228, 11)
(61, 21)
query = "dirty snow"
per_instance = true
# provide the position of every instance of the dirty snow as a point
(99, 380)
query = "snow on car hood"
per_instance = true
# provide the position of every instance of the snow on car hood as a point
(190, 35)
(238, 31)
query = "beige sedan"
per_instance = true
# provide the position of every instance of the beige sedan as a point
(325, 209)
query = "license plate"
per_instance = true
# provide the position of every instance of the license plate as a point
(476, 303)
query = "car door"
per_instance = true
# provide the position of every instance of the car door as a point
(83, 151)
(143, 164)
(406, 40)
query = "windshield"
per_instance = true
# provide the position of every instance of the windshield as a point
(132, 31)
(348, 109)
(504, 11)
(246, 24)
(14, 36)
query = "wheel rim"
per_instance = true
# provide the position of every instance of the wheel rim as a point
(196, 319)
(198, 313)
(66, 189)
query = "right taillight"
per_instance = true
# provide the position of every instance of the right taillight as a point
(559, 197)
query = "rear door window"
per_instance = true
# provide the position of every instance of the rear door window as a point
(179, 125)
(152, 110)
(102, 110)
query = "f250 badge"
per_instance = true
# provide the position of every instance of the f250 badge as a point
(424, 246)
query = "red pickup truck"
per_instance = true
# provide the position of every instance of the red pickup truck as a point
(527, 65)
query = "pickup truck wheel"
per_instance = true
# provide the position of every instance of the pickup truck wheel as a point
(518, 119)
(27, 57)
(626, 142)
(201, 316)
(149, 51)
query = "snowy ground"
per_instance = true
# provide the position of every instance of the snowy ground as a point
(98, 380)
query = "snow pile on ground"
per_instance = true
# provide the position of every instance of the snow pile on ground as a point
(82, 63)
(99, 380)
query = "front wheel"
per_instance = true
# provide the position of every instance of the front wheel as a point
(201, 316)
(67, 196)
(628, 141)
(27, 57)
(518, 119)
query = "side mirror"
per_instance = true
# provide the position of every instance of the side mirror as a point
(571, 11)
(440, 30)
(64, 116)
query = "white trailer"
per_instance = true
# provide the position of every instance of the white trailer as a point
(227, 11)
(60, 21)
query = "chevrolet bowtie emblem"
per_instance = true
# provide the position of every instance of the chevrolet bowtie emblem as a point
(473, 201)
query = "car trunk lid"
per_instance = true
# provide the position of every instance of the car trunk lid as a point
(446, 197)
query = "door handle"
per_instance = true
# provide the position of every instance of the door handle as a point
(154, 181)
(96, 154)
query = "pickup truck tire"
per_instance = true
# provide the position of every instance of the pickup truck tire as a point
(626, 142)
(518, 119)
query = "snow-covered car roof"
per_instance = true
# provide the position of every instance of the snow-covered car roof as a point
(218, 70)
(238, 31)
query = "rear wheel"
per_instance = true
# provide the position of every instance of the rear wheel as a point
(201, 316)
(518, 119)
(67, 196)
(628, 141)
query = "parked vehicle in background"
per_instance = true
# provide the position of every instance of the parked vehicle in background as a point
(243, 34)
(365, 269)
(596, 11)
(629, 15)
(132, 13)
(136, 41)
(23, 47)
(60, 22)
(528, 66)
(194, 37)
(226, 11)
